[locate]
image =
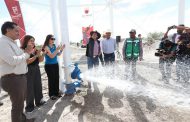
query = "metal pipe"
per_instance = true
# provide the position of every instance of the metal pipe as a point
(64, 36)
(111, 16)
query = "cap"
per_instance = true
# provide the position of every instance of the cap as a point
(108, 31)
(132, 31)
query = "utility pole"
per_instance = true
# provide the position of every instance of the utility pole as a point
(64, 34)
(111, 16)
(181, 12)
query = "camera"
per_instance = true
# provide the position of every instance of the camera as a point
(160, 52)
(172, 27)
(118, 39)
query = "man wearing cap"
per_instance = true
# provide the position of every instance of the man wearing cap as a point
(132, 50)
(93, 49)
(108, 48)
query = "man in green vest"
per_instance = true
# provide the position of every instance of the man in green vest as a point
(132, 51)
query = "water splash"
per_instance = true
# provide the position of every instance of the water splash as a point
(147, 83)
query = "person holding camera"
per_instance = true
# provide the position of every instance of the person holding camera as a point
(166, 53)
(183, 57)
(175, 36)
(132, 50)
(180, 49)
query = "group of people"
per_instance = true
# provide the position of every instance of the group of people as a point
(175, 48)
(95, 47)
(132, 50)
(20, 71)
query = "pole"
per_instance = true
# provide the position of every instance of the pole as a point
(54, 17)
(55, 20)
(181, 12)
(93, 14)
(111, 16)
(64, 36)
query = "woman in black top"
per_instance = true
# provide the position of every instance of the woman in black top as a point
(34, 84)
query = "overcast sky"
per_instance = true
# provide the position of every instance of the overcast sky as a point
(143, 15)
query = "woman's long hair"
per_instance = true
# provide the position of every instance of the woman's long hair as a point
(46, 43)
(26, 40)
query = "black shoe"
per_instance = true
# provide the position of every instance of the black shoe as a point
(59, 95)
(30, 120)
(28, 111)
(1, 103)
(24, 119)
(53, 97)
(42, 102)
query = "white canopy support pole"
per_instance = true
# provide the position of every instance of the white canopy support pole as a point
(111, 16)
(54, 17)
(55, 20)
(181, 12)
(64, 36)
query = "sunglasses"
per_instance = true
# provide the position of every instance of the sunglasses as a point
(52, 38)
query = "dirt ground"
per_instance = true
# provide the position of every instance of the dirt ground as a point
(104, 103)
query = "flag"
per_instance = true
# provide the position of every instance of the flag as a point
(16, 15)
(86, 34)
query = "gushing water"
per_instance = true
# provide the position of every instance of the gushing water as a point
(146, 83)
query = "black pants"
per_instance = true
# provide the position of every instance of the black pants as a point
(52, 71)
(34, 87)
(16, 88)
(109, 58)
(101, 59)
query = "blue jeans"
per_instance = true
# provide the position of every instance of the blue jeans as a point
(92, 62)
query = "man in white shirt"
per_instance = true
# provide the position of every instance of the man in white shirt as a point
(108, 48)
(13, 68)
